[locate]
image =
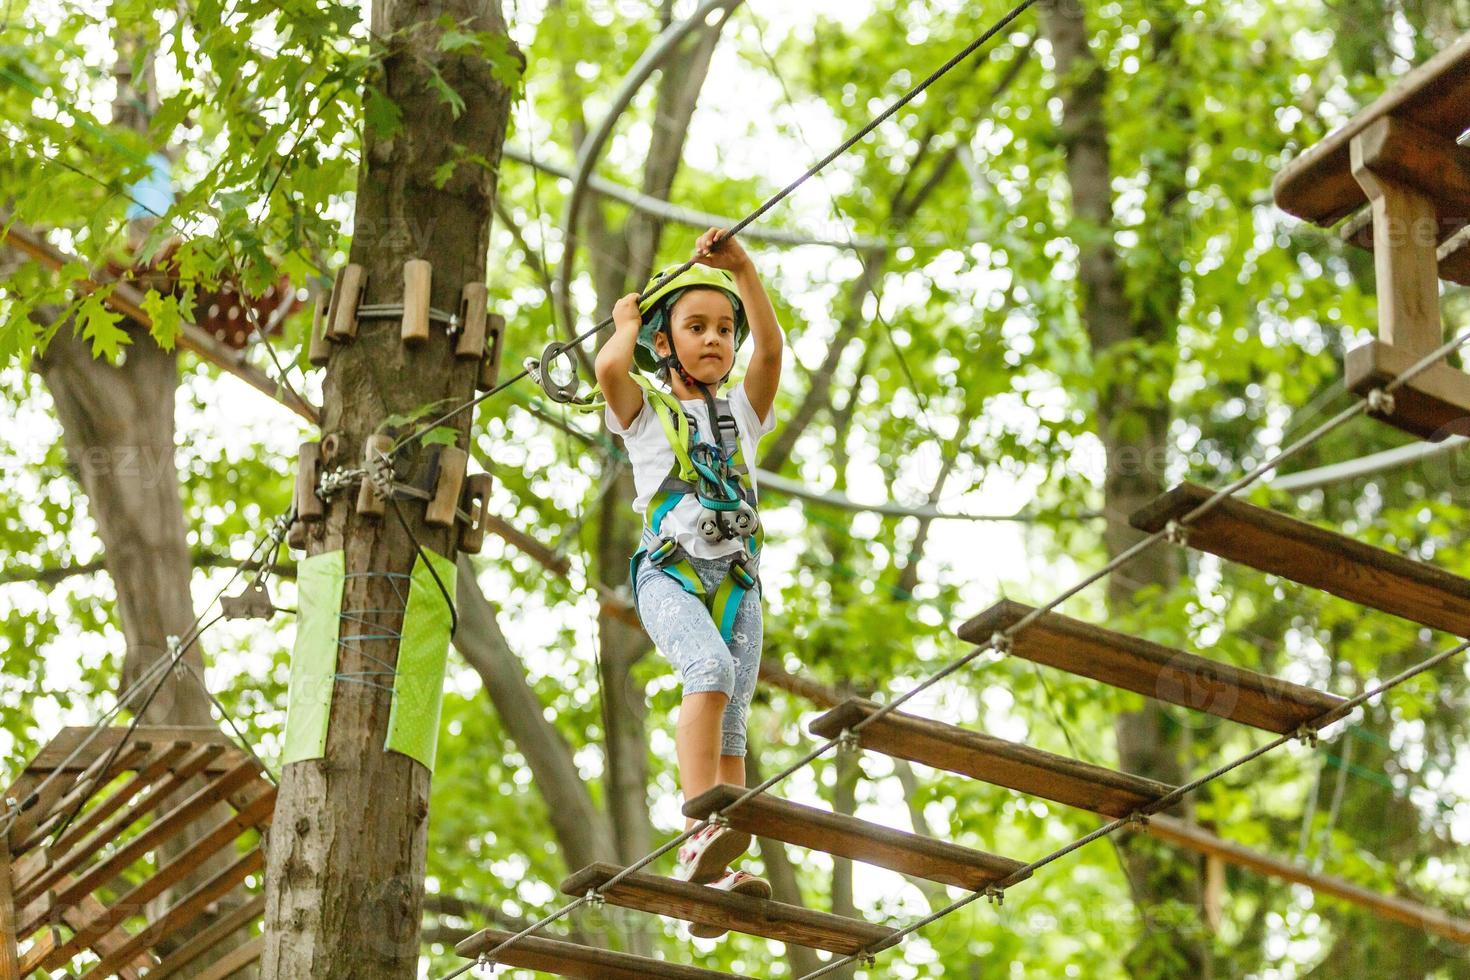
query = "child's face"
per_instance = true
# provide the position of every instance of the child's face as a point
(703, 324)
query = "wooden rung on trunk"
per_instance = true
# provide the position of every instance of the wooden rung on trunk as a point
(309, 507)
(319, 348)
(849, 837)
(753, 916)
(369, 504)
(473, 318)
(444, 505)
(347, 292)
(1153, 670)
(995, 760)
(1322, 559)
(476, 503)
(564, 959)
(417, 281)
(494, 342)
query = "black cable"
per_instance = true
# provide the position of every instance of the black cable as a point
(453, 613)
(769, 203)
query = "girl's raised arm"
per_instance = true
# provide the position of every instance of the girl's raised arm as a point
(615, 362)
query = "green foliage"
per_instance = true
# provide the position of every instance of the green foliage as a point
(973, 351)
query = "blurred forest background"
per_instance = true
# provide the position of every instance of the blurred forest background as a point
(973, 327)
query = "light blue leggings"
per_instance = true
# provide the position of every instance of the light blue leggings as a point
(683, 631)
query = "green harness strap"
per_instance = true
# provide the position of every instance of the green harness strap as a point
(725, 601)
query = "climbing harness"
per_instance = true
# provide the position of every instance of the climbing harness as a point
(711, 472)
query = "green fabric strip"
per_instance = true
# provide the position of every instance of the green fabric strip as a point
(418, 689)
(314, 658)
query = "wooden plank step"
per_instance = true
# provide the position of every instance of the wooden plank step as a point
(1153, 670)
(794, 823)
(741, 913)
(994, 760)
(215, 933)
(564, 959)
(1319, 185)
(1311, 555)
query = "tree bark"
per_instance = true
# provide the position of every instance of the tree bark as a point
(345, 879)
(1134, 430)
(582, 831)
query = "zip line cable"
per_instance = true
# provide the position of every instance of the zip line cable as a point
(1000, 642)
(558, 349)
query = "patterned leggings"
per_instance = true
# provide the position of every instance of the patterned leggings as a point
(683, 631)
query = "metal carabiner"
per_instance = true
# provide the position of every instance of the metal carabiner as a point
(562, 393)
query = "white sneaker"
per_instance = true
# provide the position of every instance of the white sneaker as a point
(738, 883)
(705, 856)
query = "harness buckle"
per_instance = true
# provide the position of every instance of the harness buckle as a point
(665, 553)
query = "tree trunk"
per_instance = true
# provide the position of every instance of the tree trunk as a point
(1135, 435)
(345, 879)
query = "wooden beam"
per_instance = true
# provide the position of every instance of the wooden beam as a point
(1153, 670)
(710, 907)
(1314, 556)
(60, 797)
(566, 959)
(63, 862)
(202, 942)
(1433, 164)
(157, 832)
(195, 856)
(54, 756)
(1318, 185)
(994, 760)
(1433, 405)
(234, 961)
(1405, 235)
(9, 941)
(128, 301)
(1390, 907)
(181, 914)
(861, 840)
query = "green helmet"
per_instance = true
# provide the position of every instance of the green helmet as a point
(658, 299)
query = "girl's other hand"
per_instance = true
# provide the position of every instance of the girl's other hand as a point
(728, 254)
(625, 313)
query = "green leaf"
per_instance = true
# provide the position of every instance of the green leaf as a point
(447, 93)
(98, 323)
(440, 435)
(166, 317)
(381, 113)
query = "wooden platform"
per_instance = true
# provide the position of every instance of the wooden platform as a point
(795, 823)
(1153, 670)
(1319, 186)
(995, 760)
(740, 913)
(1431, 406)
(1323, 559)
(89, 852)
(564, 959)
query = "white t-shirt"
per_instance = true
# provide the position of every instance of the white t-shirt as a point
(653, 460)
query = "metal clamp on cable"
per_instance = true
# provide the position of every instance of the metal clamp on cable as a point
(995, 895)
(560, 392)
(1306, 736)
(1000, 643)
(1176, 533)
(595, 899)
(1380, 402)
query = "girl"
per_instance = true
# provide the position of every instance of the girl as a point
(695, 572)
